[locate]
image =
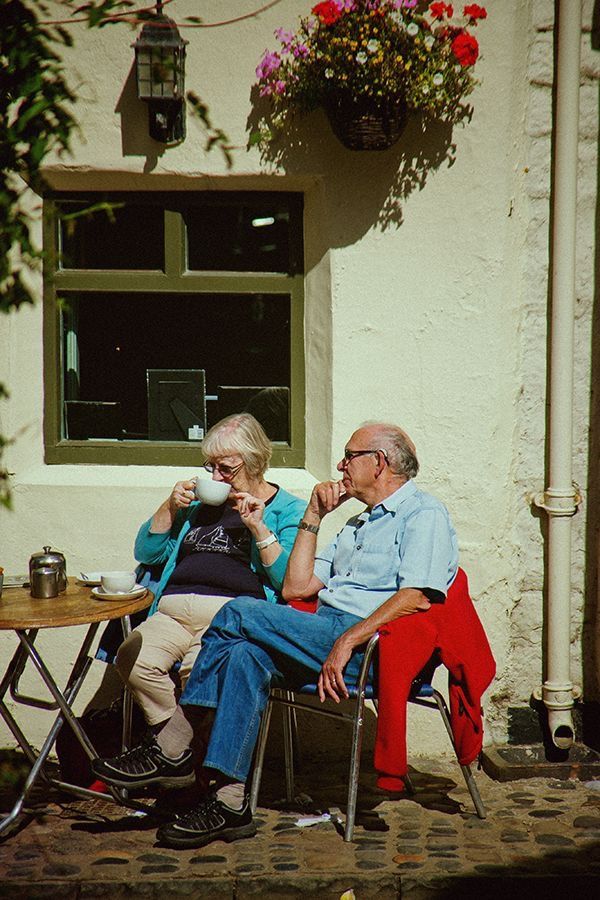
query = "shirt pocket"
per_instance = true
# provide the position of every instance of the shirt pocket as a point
(377, 567)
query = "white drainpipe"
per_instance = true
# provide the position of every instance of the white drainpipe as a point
(560, 499)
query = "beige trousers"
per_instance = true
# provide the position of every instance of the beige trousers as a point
(173, 634)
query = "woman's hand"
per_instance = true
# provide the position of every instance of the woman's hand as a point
(180, 498)
(251, 511)
(182, 495)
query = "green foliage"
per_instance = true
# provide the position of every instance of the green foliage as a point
(215, 136)
(36, 120)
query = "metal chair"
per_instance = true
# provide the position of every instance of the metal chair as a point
(422, 694)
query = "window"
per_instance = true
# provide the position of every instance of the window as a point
(166, 312)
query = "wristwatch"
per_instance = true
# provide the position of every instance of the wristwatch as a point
(305, 526)
(260, 545)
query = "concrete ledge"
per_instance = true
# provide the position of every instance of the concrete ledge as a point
(509, 762)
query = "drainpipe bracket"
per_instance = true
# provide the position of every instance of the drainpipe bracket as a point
(558, 696)
(559, 503)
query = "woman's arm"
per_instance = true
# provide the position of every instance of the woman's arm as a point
(157, 537)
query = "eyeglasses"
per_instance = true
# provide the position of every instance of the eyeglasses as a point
(225, 471)
(350, 454)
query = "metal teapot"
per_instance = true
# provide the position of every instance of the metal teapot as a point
(50, 559)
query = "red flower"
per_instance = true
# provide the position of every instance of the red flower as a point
(473, 11)
(328, 12)
(465, 49)
(439, 10)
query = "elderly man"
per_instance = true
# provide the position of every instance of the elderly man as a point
(393, 559)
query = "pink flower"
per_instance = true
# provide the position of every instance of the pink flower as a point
(285, 36)
(269, 63)
(279, 87)
(300, 50)
(266, 90)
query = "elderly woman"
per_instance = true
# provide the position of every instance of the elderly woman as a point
(210, 554)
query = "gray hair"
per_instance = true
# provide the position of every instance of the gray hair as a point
(401, 452)
(240, 433)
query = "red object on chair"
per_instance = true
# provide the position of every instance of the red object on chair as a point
(308, 605)
(405, 645)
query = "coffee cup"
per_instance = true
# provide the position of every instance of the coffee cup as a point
(213, 493)
(117, 582)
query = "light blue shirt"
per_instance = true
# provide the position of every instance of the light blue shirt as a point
(406, 541)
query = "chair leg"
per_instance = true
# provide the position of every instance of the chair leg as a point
(289, 728)
(261, 744)
(357, 733)
(466, 770)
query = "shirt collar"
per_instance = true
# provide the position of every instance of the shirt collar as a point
(395, 500)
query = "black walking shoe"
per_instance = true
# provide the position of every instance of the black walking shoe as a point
(209, 821)
(144, 765)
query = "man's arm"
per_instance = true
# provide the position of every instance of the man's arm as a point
(300, 580)
(404, 602)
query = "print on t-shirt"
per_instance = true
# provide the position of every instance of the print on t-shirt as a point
(235, 541)
(214, 556)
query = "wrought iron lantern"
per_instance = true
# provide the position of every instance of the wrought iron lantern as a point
(160, 75)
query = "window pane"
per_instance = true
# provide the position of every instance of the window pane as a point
(111, 235)
(260, 233)
(241, 342)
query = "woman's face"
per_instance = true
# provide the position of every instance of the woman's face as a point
(231, 469)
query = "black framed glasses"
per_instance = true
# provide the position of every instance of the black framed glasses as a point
(225, 471)
(350, 454)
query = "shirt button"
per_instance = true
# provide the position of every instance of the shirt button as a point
(347, 574)
(331, 590)
(359, 547)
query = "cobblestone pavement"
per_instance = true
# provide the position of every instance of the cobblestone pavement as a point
(540, 836)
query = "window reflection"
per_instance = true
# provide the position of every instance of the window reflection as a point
(240, 342)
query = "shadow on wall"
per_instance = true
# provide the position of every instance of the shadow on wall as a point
(362, 188)
(135, 140)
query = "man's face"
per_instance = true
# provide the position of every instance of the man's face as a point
(359, 463)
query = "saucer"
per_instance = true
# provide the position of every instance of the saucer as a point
(15, 580)
(93, 579)
(100, 594)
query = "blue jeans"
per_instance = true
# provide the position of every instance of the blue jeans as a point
(247, 645)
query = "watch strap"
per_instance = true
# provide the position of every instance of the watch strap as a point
(306, 526)
(260, 545)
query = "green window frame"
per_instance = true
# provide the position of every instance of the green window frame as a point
(173, 278)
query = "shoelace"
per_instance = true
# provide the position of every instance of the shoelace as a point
(140, 752)
(204, 817)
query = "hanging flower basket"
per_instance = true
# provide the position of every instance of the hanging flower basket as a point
(369, 64)
(361, 125)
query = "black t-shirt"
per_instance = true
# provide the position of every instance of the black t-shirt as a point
(214, 556)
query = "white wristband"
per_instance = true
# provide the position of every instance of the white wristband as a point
(260, 545)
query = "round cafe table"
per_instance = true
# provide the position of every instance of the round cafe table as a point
(25, 615)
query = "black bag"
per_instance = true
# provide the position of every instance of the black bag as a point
(104, 728)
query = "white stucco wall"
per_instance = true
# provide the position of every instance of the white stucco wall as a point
(435, 320)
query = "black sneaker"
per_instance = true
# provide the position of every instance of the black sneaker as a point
(210, 821)
(144, 765)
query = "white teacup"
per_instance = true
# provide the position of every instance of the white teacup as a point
(213, 493)
(117, 582)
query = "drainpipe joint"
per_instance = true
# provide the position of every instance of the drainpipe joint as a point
(559, 699)
(557, 502)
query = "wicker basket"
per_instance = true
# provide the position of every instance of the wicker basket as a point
(360, 125)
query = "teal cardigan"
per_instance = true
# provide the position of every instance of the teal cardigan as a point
(281, 516)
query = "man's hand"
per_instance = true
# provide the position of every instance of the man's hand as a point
(331, 680)
(325, 497)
